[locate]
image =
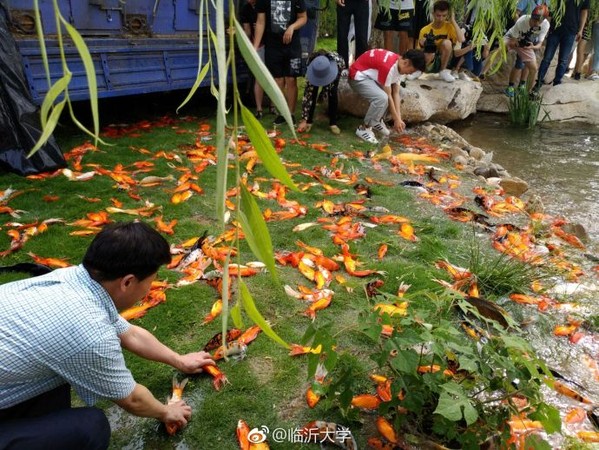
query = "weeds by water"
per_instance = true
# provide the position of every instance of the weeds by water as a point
(524, 108)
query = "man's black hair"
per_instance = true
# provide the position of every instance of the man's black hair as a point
(441, 5)
(417, 59)
(126, 248)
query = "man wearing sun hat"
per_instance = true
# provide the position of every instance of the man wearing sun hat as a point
(526, 36)
(324, 70)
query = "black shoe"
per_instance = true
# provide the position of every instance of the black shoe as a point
(259, 114)
(576, 76)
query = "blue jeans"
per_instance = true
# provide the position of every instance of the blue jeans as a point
(472, 63)
(565, 42)
(595, 38)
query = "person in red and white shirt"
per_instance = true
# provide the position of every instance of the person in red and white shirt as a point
(375, 75)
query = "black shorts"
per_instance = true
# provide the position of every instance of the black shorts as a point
(395, 20)
(284, 61)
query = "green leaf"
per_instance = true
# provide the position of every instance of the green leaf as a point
(196, 85)
(235, 312)
(454, 407)
(256, 317)
(406, 361)
(53, 93)
(49, 128)
(262, 74)
(548, 416)
(41, 41)
(90, 74)
(264, 148)
(256, 232)
(536, 442)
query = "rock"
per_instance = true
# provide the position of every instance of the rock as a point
(570, 101)
(457, 151)
(514, 186)
(476, 153)
(534, 205)
(459, 159)
(486, 171)
(577, 230)
(424, 99)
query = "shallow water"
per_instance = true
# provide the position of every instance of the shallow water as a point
(559, 161)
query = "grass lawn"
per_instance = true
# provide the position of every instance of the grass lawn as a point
(268, 387)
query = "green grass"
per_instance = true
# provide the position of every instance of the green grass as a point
(267, 388)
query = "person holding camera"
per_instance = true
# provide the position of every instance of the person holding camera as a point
(438, 40)
(526, 36)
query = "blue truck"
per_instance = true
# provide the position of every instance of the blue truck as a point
(138, 46)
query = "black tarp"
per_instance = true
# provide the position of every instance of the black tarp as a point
(20, 125)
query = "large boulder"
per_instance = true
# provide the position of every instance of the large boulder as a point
(570, 101)
(427, 98)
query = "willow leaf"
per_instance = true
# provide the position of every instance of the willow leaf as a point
(256, 232)
(262, 74)
(235, 313)
(266, 152)
(90, 74)
(83, 128)
(42, 42)
(49, 128)
(254, 314)
(225, 299)
(53, 93)
(195, 86)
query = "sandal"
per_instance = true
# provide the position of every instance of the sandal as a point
(304, 127)
(335, 129)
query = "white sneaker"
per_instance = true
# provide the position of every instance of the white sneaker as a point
(414, 75)
(594, 76)
(381, 128)
(446, 76)
(464, 76)
(367, 135)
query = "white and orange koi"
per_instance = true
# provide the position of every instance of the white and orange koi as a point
(177, 395)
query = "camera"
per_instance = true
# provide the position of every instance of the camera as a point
(467, 35)
(524, 42)
(429, 43)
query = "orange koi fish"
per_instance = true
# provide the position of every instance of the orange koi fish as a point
(236, 349)
(215, 311)
(317, 306)
(563, 389)
(249, 335)
(248, 439)
(297, 349)
(50, 262)
(392, 310)
(379, 444)
(219, 379)
(382, 251)
(312, 398)
(588, 436)
(386, 429)
(166, 228)
(177, 395)
(365, 401)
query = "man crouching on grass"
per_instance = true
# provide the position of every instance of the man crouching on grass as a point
(62, 330)
(375, 75)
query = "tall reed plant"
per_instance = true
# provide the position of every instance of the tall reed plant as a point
(525, 108)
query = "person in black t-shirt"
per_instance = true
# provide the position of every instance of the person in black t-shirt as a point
(278, 22)
(569, 31)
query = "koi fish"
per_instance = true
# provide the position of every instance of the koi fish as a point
(319, 431)
(386, 429)
(588, 436)
(312, 398)
(297, 349)
(50, 262)
(219, 379)
(215, 311)
(248, 439)
(177, 395)
(365, 401)
(235, 349)
(217, 340)
(563, 389)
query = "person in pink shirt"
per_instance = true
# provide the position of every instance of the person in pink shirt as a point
(375, 75)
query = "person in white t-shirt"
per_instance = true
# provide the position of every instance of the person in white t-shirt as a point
(375, 75)
(526, 36)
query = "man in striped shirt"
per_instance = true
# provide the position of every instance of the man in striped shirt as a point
(62, 330)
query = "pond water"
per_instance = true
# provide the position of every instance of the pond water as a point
(559, 161)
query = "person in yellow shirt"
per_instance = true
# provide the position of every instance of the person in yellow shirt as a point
(439, 38)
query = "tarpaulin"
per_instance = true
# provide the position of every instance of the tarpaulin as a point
(20, 125)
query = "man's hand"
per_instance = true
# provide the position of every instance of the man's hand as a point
(399, 126)
(341, 3)
(288, 35)
(177, 413)
(193, 362)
